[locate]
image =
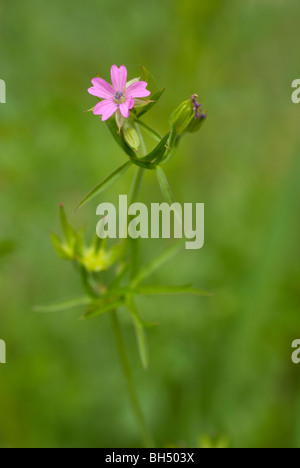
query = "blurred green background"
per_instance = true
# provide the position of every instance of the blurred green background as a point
(219, 366)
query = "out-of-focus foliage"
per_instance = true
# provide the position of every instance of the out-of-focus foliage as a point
(219, 365)
(6, 247)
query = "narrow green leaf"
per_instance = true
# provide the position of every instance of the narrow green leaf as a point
(151, 160)
(164, 185)
(142, 164)
(157, 154)
(150, 78)
(104, 308)
(119, 278)
(98, 243)
(79, 244)
(155, 98)
(111, 293)
(140, 333)
(148, 270)
(59, 248)
(105, 184)
(60, 306)
(69, 232)
(174, 137)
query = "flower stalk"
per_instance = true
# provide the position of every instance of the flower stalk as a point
(145, 432)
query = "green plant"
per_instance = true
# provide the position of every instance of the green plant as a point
(123, 258)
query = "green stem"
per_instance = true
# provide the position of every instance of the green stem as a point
(136, 186)
(157, 136)
(116, 326)
(138, 178)
(134, 192)
(128, 375)
(144, 149)
(88, 288)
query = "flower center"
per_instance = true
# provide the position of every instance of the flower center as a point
(119, 98)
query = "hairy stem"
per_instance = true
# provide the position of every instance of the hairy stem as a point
(128, 375)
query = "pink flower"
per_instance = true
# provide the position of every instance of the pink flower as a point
(118, 98)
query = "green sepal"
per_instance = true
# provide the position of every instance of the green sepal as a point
(154, 99)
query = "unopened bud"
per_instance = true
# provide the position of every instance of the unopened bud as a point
(182, 116)
(132, 138)
(188, 117)
(119, 120)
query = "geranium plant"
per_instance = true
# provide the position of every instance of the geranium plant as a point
(122, 105)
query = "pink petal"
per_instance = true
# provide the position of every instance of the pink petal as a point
(119, 78)
(124, 108)
(106, 109)
(130, 103)
(101, 89)
(137, 90)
